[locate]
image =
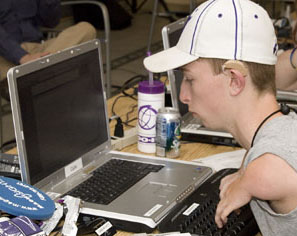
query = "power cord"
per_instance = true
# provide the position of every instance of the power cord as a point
(130, 83)
(113, 105)
(127, 117)
(119, 128)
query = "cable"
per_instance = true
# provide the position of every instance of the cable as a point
(130, 83)
(127, 122)
(114, 102)
(8, 145)
(127, 117)
(119, 125)
(125, 86)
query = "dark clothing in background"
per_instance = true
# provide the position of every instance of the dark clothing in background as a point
(20, 21)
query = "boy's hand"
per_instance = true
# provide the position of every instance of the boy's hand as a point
(233, 196)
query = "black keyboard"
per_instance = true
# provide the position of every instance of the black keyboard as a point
(112, 179)
(9, 166)
(195, 215)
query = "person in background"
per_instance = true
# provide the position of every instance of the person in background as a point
(286, 66)
(21, 39)
(227, 52)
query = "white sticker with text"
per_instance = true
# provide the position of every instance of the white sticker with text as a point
(101, 230)
(191, 209)
(153, 210)
(73, 167)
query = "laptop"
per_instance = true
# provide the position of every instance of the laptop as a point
(62, 132)
(191, 128)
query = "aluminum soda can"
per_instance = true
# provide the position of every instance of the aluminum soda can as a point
(168, 132)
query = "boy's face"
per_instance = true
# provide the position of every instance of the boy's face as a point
(204, 93)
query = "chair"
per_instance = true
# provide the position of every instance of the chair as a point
(53, 32)
(168, 14)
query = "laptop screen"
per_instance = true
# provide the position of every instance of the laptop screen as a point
(171, 35)
(174, 35)
(62, 111)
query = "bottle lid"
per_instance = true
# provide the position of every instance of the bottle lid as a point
(154, 88)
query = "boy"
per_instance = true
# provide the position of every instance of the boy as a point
(227, 52)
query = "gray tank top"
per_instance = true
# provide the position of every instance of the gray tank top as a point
(279, 137)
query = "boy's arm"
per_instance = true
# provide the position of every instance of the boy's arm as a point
(267, 178)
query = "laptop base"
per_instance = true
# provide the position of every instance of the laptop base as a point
(216, 140)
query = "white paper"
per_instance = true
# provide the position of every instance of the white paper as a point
(223, 160)
(73, 205)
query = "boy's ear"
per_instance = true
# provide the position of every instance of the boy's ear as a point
(237, 82)
(237, 71)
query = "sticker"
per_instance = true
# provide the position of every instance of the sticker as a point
(153, 210)
(73, 167)
(103, 228)
(191, 209)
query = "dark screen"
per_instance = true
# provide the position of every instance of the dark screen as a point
(62, 110)
(178, 74)
(174, 36)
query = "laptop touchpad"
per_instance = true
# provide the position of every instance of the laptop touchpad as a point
(162, 190)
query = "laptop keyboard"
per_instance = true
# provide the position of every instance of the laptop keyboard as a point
(112, 179)
(9, 166)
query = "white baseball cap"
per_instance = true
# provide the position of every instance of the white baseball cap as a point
(225, 29)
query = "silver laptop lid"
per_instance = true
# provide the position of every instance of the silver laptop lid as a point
(40, 112)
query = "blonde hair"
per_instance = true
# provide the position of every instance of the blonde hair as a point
(263, 76)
